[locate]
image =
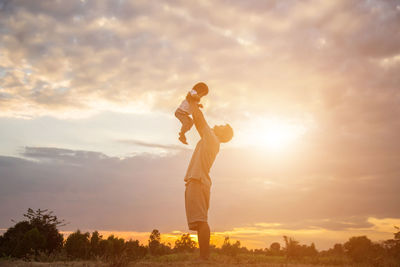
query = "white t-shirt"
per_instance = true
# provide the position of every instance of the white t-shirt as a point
(185, 106)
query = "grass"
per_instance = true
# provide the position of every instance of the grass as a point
(191, 259)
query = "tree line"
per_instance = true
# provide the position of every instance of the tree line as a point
(37, 237)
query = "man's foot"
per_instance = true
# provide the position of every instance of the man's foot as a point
(182, 138)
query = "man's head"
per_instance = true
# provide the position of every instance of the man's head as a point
(223, 132)
(201, 89)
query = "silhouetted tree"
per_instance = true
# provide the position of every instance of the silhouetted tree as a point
(134, 250)
(155, 242)
(78, 245)
(230, 249)
(33, 241)
(37, 234)
(359, 248)
(311, 251)
(275, 249)
(292, 248)
(155, 245)
(392, 246)
(112, 250)
(185, 244)
(338, 249)
(95, 240)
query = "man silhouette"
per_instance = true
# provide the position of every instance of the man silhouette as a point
(197, 178)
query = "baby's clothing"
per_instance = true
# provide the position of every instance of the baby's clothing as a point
(185, 106)
(183, 113)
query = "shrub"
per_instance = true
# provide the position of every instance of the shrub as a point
(185, 244)
(37, 234)
(78, 245)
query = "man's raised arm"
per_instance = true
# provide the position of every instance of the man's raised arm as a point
(198, 118)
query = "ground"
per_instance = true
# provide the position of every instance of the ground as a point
(187, 260)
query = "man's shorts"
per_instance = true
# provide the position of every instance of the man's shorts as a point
(197, 202)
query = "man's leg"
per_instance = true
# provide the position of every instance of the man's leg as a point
(203, 235)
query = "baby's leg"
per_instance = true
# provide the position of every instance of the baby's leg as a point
(186, 121)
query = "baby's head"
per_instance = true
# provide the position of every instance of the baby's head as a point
(223, 132)
(201, 89)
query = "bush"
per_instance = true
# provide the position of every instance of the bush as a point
(155, 246)
(78, 245)
(134, 250)
(229, 249)
(29, 237)
(185, 244)
(359, 248)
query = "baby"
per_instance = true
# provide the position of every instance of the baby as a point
(183, 112)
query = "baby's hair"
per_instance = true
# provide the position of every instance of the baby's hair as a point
(201, 88)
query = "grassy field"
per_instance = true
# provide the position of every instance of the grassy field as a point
(190, 260)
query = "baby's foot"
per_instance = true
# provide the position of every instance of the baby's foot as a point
(182, 138)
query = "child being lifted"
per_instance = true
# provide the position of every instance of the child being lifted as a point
(184, 111)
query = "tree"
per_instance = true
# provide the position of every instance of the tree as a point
(113, 251)
(185, 244)
(292, 248)
(134, 250)
(47, 224)
(95, 240)
(311, 251)
(359, 248)
(155, 245)
(230, 249)
(338, 249)
(33, 241)
(155, 242)
(392, 246)
(275, 249)
(37, 234)
(78, 245)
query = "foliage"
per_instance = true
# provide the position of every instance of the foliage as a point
(78, 245)
(155, 242)
(95, 244)
(134, 250)
(392, 246)
(112, 250)
(185, 244)
(29, 237)
(155, 245)
(275, 248)
(359, 248)
(230, 249)
(37, 238)
(294, 250)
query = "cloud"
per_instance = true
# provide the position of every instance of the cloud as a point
(137, 55)
(90, 189)
(333, 64)
(98, 187)
(151, 145)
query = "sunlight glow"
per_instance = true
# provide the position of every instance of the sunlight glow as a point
(273, 134)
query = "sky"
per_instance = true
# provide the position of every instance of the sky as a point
(88, 91)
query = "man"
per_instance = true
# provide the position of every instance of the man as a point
(197, 178)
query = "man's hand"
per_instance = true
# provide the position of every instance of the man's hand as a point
(192, 98)
(198, 117)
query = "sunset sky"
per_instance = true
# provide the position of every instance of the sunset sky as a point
(88, 91)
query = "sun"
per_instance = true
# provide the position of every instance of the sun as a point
(272, 133)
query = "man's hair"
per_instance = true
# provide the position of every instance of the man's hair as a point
(226, 135)
(201, 88)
